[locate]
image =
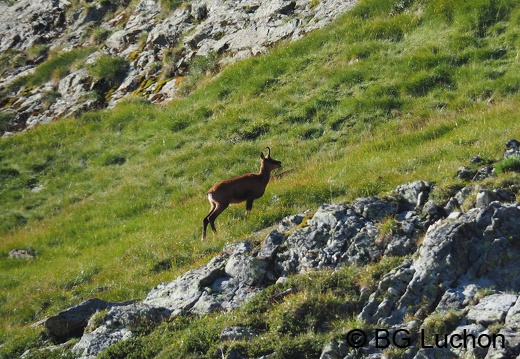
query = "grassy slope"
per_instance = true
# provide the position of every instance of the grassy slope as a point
(351, 110)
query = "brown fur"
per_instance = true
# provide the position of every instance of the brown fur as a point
(239, 189)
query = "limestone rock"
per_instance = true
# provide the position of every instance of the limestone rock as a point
(491, 309)
(237, 333)
(72, 321)
(512, 148)
(21, 254)
(142, 35)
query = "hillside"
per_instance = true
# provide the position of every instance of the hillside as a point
(109, 204)
(62, 58)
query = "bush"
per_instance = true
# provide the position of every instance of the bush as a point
(510, 164)
(111, 69)
(5, 121)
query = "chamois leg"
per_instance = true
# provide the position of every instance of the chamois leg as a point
(213, 215)
(205, 222)
(249, 205)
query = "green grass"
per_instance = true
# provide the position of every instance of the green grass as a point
(297, 325)
(510, 164)
(112, 202)
(55, 67)
(111, 69)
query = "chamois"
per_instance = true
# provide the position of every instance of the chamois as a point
(246, 188)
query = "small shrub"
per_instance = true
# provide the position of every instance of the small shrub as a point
(172, 4)
(96, 321)
(5, 121)
(110, 69)
(387, 228)
(200, 67)
(37, 51)
(510, 164)
(99, 35)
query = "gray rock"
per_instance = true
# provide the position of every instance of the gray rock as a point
(246, 269)
(270, 246)
(237, 333)
(457, 257)
(328, 215)
(182, 294)
(142, 35)
(485, 197)
(509, 331)
(375, 209)
(457, 298)
(71, 322)
(470, 248)
(22, 254)
(463, 194)
(336, 349)
(466, 173)
(491, 309)
(464, 345)
(413, 194)
(512, 148)
(120, 323)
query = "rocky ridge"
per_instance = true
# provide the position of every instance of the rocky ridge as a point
(158, 48)
(460, 268)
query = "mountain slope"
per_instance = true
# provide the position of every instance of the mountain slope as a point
(111, 202)
(61, 58)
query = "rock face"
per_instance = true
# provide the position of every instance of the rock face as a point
(159, 49)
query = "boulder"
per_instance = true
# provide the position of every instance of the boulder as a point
(512, 148)
(22, 254)
(413, 194)
(120, 323)
(71, 322)
(491, 309)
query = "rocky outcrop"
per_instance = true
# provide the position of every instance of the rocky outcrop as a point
(159, 48)
(336, 235)
(457, 258)
(72, 322)
(456, 293)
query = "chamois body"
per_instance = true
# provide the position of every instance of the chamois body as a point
(239, 189)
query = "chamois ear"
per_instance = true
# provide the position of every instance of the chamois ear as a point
(268, 154)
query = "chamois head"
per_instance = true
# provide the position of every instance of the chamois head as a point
(246, 188)
(268, 162)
